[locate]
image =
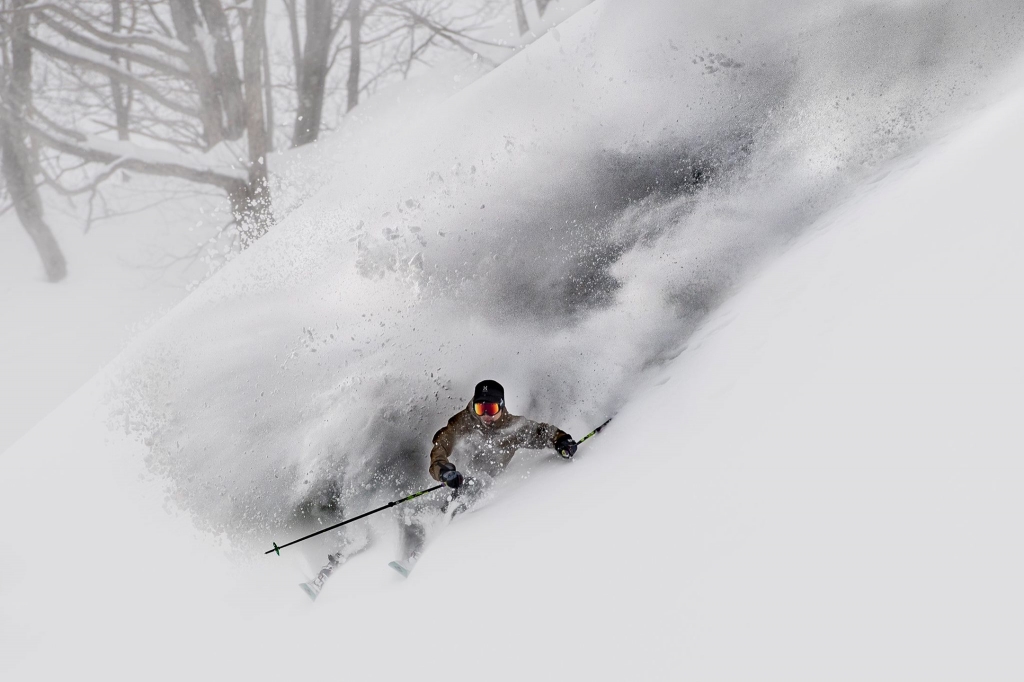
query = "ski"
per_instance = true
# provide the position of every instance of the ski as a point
(401, 568)
(313, 587)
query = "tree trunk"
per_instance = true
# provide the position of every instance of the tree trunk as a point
(355, 22)
(313, 72)
(250, 207)
(116, 90)
(524, 25)
(17, 163)
(211, 114)
(28, 204)
(293, 29)
(268, 90)
(252, 204)
(228, 82)
(542, 5)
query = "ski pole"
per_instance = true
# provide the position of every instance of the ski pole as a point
(589, 435)
(595, 431)
(277, 548)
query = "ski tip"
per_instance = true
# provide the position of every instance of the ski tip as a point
(400, 568)
(310, 591)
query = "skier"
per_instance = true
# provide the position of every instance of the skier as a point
(482, 439)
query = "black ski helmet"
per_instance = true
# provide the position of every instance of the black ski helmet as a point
(489, 391)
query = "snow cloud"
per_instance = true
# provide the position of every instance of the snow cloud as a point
(561, 225)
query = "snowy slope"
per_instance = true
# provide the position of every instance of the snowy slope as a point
(821, 485)
(592, 188)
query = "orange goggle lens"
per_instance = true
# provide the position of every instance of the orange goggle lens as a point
(490, 409)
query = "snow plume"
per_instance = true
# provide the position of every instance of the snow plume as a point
(560, 225)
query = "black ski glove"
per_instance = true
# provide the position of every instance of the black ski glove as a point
(449, 476)
(565, 445)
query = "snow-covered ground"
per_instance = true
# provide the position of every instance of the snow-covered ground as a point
(823, 484)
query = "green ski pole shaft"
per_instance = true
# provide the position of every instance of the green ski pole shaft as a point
(277, 548)
(595, 431)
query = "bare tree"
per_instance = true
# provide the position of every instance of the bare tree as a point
(18, 163)
(221, 103)
(355, 60)
(187, 87)
(311, 65)
(122, 97)
(268, 90)
(257, 190)
(183, 89)
(524, 24)
(385, 38)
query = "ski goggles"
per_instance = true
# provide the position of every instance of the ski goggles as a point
(489, 409)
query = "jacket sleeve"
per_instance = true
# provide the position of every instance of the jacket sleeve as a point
(537, 435)
(443, 441)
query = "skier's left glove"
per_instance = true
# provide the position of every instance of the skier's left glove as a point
(566, 446)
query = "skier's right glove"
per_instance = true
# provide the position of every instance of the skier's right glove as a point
(449, 476)
(565, 446)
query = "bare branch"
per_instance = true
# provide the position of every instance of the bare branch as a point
(182, 145)
(91, 186)
(450, 34)
(293, 27)
(338, 49)
(168, 47)
(133, 157)
(113, 50)
(112, 70)
(159, 22)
